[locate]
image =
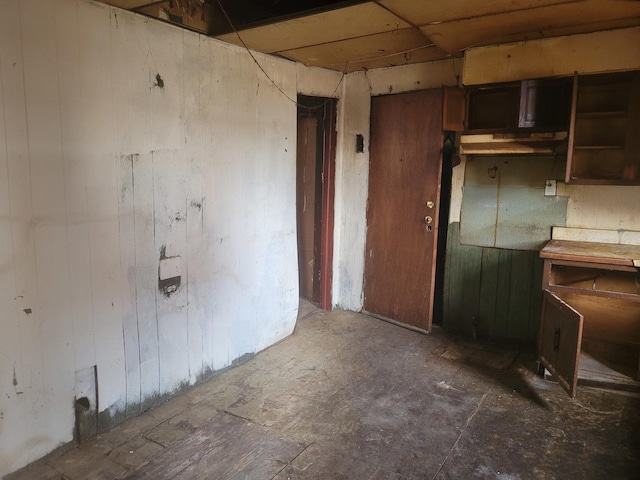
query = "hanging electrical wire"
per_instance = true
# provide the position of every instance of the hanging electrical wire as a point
(255, 60)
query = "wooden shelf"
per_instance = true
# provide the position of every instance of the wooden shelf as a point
(612, 114)
(561, 289)
(598, 147)
(593, 373)
(604, 146)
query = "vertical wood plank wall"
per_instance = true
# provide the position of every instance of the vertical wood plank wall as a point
(123, 141)
(490, 292)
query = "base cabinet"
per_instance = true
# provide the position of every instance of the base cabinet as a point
(591, 314)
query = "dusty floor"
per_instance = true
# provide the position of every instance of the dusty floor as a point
(352, 397)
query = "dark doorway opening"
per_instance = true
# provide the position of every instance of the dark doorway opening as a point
(449, 160)
(315, 180)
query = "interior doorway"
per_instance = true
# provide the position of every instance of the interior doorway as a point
(315, 180)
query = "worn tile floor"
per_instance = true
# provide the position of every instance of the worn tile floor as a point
(352, 397)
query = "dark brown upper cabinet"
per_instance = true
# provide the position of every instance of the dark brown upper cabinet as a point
(545, 104)
(604, 138)
(540, 105)
(493, 109)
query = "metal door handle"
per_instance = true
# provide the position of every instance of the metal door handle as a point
(428, 220)
(556, 340)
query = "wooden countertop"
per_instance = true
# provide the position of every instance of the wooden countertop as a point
(591, 252)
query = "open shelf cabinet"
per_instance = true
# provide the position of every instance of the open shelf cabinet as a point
(604, 143)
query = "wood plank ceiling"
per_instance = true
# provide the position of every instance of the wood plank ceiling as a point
(354, 35)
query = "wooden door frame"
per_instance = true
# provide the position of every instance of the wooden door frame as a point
(329, 120)
(328, 201)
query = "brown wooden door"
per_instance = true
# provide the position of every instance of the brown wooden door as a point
(559, 341)
(402, 214)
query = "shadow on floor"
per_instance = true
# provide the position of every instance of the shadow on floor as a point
(510, 367)
(352, 397)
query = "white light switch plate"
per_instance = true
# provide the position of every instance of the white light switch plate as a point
(550, 188)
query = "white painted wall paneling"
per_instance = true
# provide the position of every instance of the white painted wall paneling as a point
(594, 52)
(21, 358)
(318, 82)
(602, 207)
(352, 174)
(196, 258)
(48, 221)
(102, 169)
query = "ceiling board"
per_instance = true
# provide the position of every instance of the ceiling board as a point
(425, 12)
(357, 50)
(350, 22)
(564, 31)
(127, 4)
(523, 25)
(592, 27)
(427, 54)
(370, 35)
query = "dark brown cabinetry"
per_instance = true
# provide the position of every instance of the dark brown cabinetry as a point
(590, 326)
(545, 104)
(540, 105)
(604, 138)
(493, 108)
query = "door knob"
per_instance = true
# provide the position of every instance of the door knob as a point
(428, 220)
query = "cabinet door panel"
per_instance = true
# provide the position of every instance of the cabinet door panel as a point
(560, 341)
(454, 107)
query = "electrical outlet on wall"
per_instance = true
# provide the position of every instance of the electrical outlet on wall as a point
(550, 188)
(169, 274)
(170, 267)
